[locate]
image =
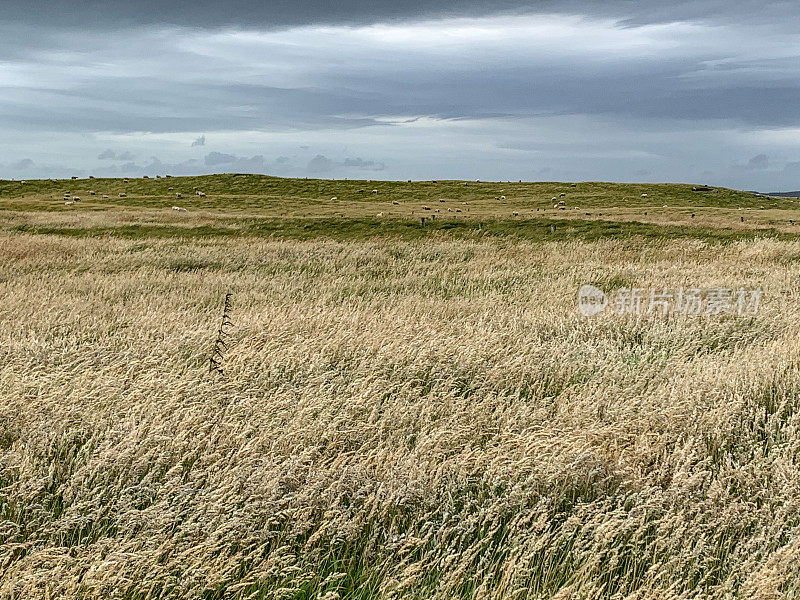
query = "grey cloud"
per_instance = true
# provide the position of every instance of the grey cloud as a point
(217, 158)
(320, 164)
(231, 162)
(111, 155)
(758, 162)
(22, 165)
(283, 13)
(367, 165)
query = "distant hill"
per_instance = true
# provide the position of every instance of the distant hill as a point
(784, 194)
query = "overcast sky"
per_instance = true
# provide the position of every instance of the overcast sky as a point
(703, 92)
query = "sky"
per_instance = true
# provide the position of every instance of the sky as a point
(699, 92)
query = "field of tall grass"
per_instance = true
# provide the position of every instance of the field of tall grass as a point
(396, 419)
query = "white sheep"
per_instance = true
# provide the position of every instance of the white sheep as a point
(105, 197)
(180, 208)
(395, 202)
(123, 195)
(69, 203)
(92, 193)
(334, 198)
(644, 195)
(502, 197)
(374, 191)
(179, 195)
(380, 214)
(201, 194)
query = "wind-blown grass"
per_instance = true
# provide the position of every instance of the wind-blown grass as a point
(421, 418)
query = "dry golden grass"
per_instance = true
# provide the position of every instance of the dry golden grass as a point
(397, 419)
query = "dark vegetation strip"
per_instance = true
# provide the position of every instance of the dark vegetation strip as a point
(344, 229)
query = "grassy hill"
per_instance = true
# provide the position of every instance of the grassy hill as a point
(258, 205)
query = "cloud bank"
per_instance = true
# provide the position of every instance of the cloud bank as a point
(568, 91)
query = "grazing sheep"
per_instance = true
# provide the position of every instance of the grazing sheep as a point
(170, 189)
(562, 195)
(145, 177)
(395, 202)
(123, 195)
(124, 181)
(334, 198)
(68, 203)
(458, 210)
(379, 214)
(76, 199)
(644, 195)
(502, 197)
(554, 199)
(74, 177)
(179, 208)
(515, 213)
(426, 208)
(201, 194)
(92, 193)
(105, 197)
(374, 191)
(179, 195)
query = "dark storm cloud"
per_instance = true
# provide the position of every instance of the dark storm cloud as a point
(282, 13)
